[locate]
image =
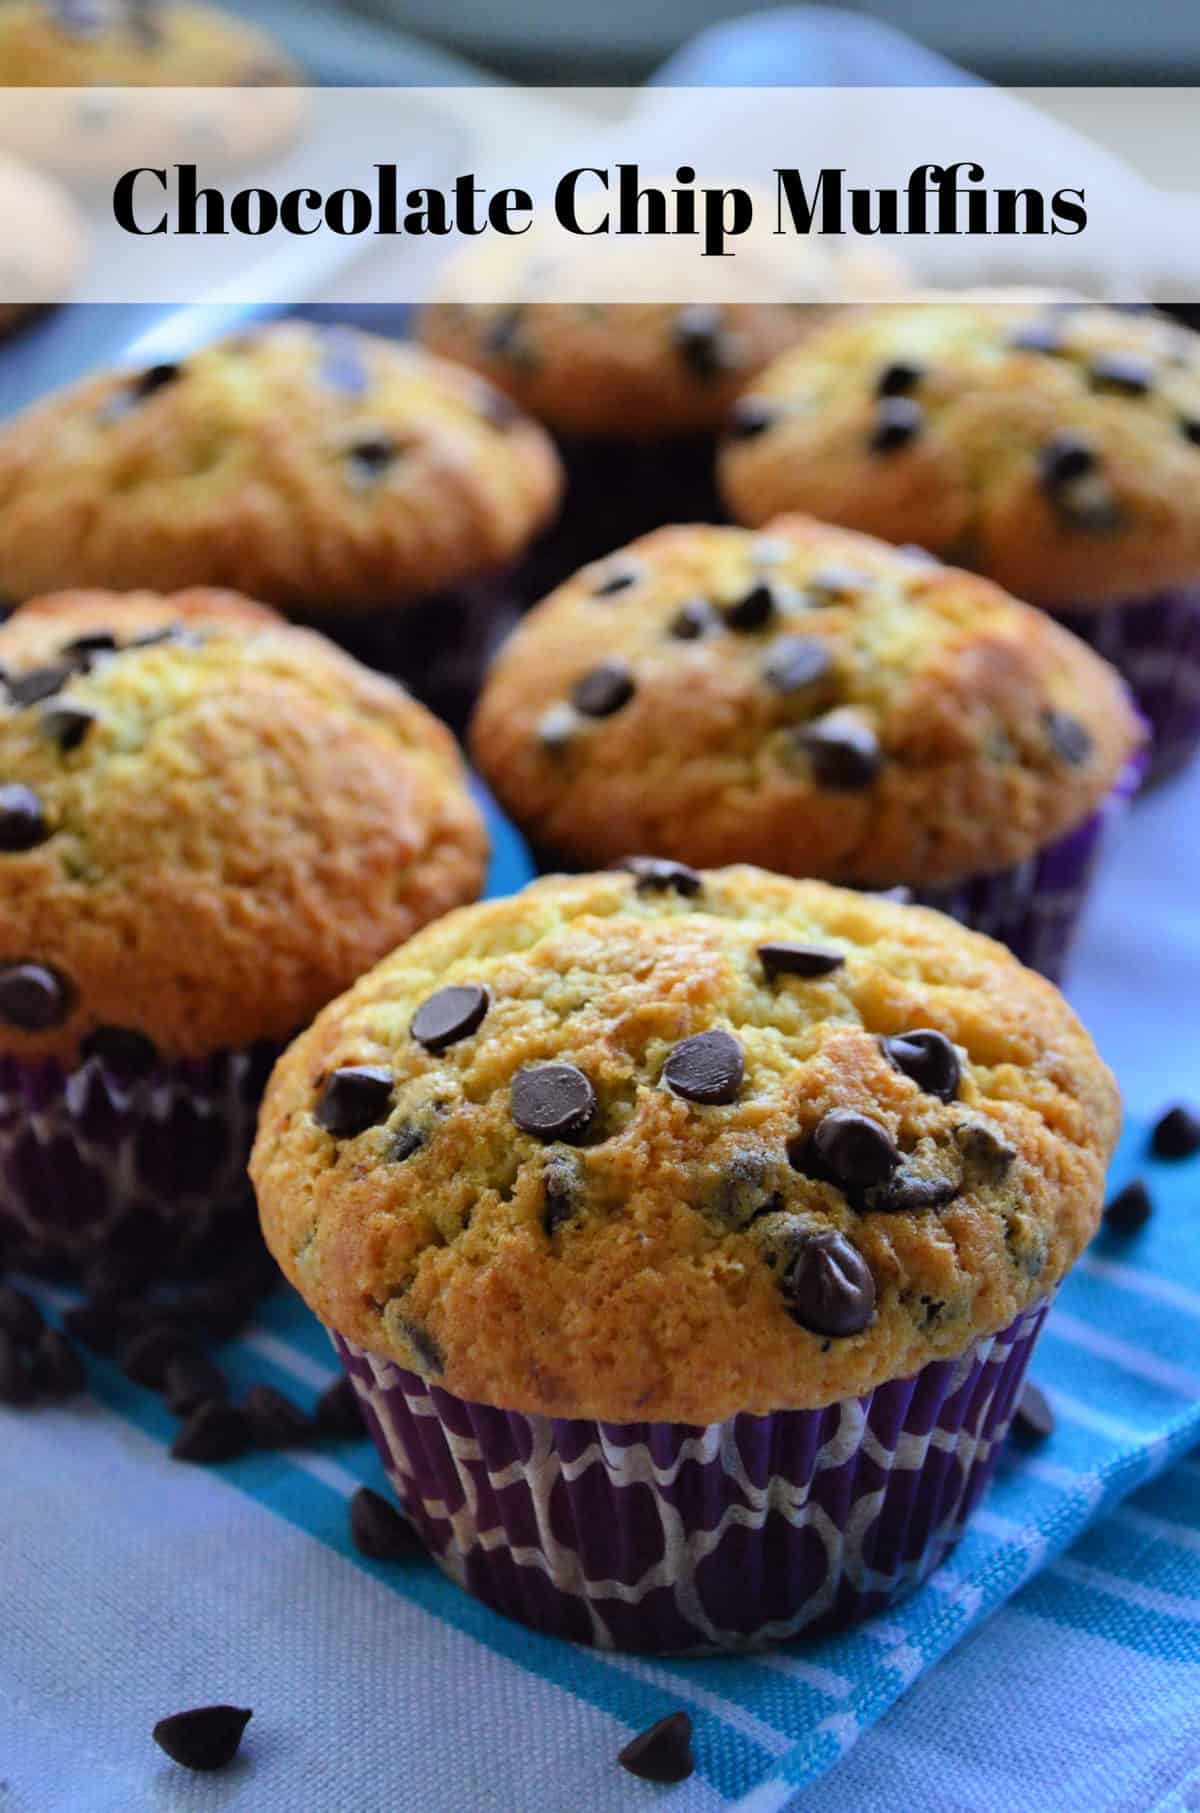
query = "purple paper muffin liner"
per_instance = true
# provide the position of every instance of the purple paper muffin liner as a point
(672, 1538)
(1155, 644)
(96, 1161)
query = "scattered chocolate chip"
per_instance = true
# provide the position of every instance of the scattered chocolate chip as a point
(215, 1431)
(206, 1738)
(898, 420)
(33, 997)
(377, 1529)
(928, 1058)
(354, 1098)
(38, 684)
(795, 662)
(1064, 458)
(146, 1357)
(1130, 1208)
(1123, 372)
(16, 1380)
(1033, 1419)
(797, 960)
(751, 416)
(404, 1142)
(828, 1287)
(854, 1149)
(754, 609)
(663, 1752)
(192, 1379)
(138, 390)
(1189, 428)
(603, 689)
(20, 1317)
(843, 749)
(898, 378)
(707, 1068)
(984, 1150)
(694, 618)
(908, 1192)
(1176, 1133)
(1037, 337)
(274, 1420)
(67, 724)
(430, 1358)
(371, 457)
(560, 1192)
(342, 365)
(22, 821)
(654, 874)
(338, 1413)
(701, 340)
(58, 1371)
(551, 1101)
(617, 579)
(1069, 739)
(450, 1015)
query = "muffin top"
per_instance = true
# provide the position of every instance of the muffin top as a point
(806, 698)
(1056, 449)
(210, 823)
(664, 1146)
(318, 468)
(131, 44)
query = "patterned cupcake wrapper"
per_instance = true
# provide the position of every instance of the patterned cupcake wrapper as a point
(676, 1539)
(93, 1161)
(1155, 644)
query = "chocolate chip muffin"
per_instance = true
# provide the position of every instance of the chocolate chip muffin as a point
(1056, 449)
(334, 474)
(762, 1175)
(210, 824)
(813, 699)
(43, 242)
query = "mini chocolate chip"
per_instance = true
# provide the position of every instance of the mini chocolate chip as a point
(694, 618)
(654, 874)
(984, 1150)
(33, 997)
(403, 1144)
(898, 420)
(274, 1420)
(1189, 428)
(909, 1193)
(38, 684)
(796, 662)
(751, 416)
(450, 1015)
(67, 724)
(747, 1189)
(1033, 1419)
(20, 1316)
(618, 579)
(828, 1288)
(121, 1048)
(1176, 1133)
(342, 366)
(22, 821)
(663, 1752)
(898, 378)
(603, 689)
(192, 1379)
(146, 1357)
(1063, 459)
(338, 1413)
(58, 1371)
(1123, 372)
(856, 1150)
(1067, 737)
(551, 1101)
(754, 609)
(701, 341)
(798, 960)
(1130, 1208)
(1037, 337)
(206, 1738)
(215, 1431)
(561, 1184)
(928, 1058)
(354, 1098)
(430, 1357)
(16, 1380)
(377, 1529)
(80, 649)
(707, 1068)
(843, 749)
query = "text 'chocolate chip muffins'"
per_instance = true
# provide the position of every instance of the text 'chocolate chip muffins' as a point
(1054, 448)
(685, 1236)
(814, 700)
(210, 824)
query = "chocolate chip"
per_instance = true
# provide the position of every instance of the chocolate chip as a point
(754, 609)
(663, 1752)
(206, 1738)
(22, 821)
(16, 1380)
(342, 366)
(603, 689)
(429, 1355)
(984, 1150)
(898, 420)
(654, 874)
(843, 749)
(338, 1413)
(138, 390)
(928, 1058)
(561, 1185)
(707, 1068)
(58, 1371)
(751, 416)
(1176, 1133)
(617, 579)
(898, 378)
(701, 341)
(33, 997)
(354, 1098)
(1130, 1208)
(1037, 337)
(122, 1049)
(1068, 738)
(1123, 372)
(1033, 1419)
(404, 1143)
(828, 1287)
(147, 1356)
(909, 1192)
(38, 684)
(377, 1529)
(747, 1190)
(856, 1150)
(551, 1101)
(1189, 428)
(371, 457)
(67, 725)
(192, 1379)
(215, 1431)
(798, 960)
(449, 1015)
(694, 618)
(80, 649)
(20, 1317)
(795, 662)
(1063, 459)
(274, 1420)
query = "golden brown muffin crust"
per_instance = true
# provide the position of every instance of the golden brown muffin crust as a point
(231, 824)
(641, 1270)
(993, 731)
(1056, 449)
(318, 469)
